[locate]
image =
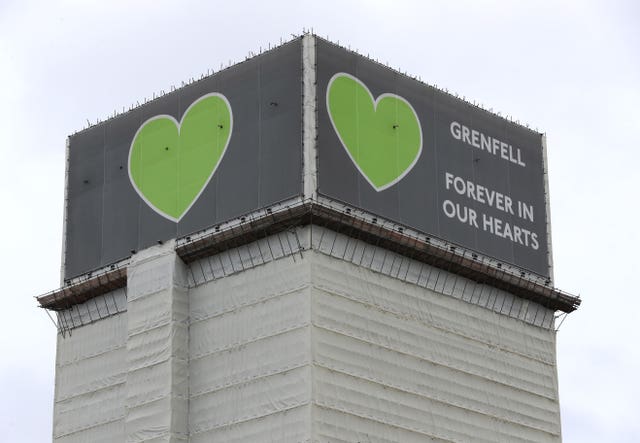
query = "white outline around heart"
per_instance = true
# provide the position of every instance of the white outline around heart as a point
(179, 126)
(375, 106)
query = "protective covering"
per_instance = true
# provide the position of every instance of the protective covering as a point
(157, 348)
(390, 360)
(390, 353)
(429, 277)
(328, 340)
(91, 370)
(250, 352)
(307, 334)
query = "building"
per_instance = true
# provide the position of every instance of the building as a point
(307, 247)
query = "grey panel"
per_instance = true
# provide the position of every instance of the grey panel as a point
(121, 202)
(106, 218)
(417, 200)
(88, 208)
(85, 200)
(278, 108)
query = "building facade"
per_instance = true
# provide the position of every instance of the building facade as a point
(330, 304)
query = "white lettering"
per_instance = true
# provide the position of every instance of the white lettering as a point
(487, 223)
(477, 139)
(449, 208)
(517, 234)
(448, 178)
(479, 193)
(494, 199)
(508, 204)
(455, 130)
(485, 142)
(503, 150)
(496, 146)
(506, 233)
(465, 135)
(525, 211)
(463, 213)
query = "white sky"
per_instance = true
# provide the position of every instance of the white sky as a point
(571, 69)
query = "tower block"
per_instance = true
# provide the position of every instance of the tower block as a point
(307, 246)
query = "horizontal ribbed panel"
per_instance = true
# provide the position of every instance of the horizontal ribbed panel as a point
(444, 312)
(88, 410)
(449, 386)
(417, 413)
(240, 364)
(339, 426)
(90, 375)
(250, 323)
(401, 267)
(92, 339)
(289, 426)
(249, 370)
(150, 383)
(156, 345)
(309, 348)
(256, 285)
(415, 365)
(257, 398)
(158, 310)
(422, 340)
(104, 433)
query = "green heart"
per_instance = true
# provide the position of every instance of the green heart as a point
(171, 163)
(382, 137)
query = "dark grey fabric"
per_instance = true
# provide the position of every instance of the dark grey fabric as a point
(417, 200)
(106, 218)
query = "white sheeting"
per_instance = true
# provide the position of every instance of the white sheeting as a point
(402, 268)
(342, 344)
(157, 382)
(436, 367)
(289, 425)
(90, 375)
(103, 433)
(250, 355)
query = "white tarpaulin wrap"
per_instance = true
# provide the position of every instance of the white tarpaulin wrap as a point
(90, 376)
(339, 342)
(389, 263)
(157, 386)
(396, 354)
(250, 347)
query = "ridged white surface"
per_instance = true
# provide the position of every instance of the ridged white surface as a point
(433, 366)
(250, 373)
(289, 425)
(104, 433)
(90, 376)
(157, 383)
(305, 348)
(382, 261)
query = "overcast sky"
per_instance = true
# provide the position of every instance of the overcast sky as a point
(571, 69)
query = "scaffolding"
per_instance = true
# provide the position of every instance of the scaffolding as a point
(270, 233)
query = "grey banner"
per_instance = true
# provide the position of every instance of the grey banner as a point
(478, 181)
(107, 219)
